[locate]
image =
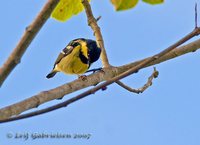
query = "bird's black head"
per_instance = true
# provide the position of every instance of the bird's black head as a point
(93, 50)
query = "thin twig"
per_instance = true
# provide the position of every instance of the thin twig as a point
(92, 22)
(26, 39)
(144, 87)
(144, 63)
(196, 16)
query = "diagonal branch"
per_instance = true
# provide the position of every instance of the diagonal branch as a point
(144, 87)
(191, 47)
(119, 72)
(29, 34)
(64, 104)
(92, 22)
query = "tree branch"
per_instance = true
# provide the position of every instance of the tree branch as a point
(95, 78)
(143, 88)
(92, 22)
(191, 47)
(26, 39)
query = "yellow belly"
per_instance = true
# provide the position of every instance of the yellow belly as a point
(71, 65)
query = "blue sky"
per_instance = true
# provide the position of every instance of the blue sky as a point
(167, 113)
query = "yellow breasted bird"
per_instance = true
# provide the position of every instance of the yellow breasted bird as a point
(76, 57)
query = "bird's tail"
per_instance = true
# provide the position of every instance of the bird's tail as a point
(51, 74)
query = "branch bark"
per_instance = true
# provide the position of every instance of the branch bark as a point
(92, 22)
(92, 79)
(144, 87)
(29, 34)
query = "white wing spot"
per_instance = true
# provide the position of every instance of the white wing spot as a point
(62, 52)
(69, 47)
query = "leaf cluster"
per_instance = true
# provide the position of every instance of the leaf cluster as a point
(68, 8)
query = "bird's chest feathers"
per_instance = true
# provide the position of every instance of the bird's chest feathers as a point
(72, 64)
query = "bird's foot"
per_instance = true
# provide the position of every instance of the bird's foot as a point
(94, 70)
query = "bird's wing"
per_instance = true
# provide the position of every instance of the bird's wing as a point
(66, 51)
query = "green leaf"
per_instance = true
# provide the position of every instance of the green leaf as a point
(124, 4)
(66, 9)
(153, 2)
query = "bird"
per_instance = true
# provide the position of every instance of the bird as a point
(76, 58)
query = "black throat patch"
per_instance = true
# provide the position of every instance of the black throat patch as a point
(83, 58)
